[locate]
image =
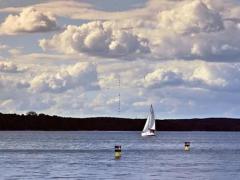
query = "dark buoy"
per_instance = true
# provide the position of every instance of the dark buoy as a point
(118, 152)
(187, 146)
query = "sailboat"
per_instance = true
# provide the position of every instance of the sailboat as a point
(149, 128)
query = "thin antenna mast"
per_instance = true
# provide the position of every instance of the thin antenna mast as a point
(119, 94)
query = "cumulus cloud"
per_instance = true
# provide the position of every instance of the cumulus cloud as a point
(194, 30)
(8, 67)
(96, 38)
(212, 76)
(174, 87)
(192, 17)
(203, 29)
(81, 75)
(165, 37)
(163, 78)
(10, 84)
(30, 20)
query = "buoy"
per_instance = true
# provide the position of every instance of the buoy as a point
(187, 146)
(118, 152)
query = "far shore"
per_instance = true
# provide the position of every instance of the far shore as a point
(43, 122)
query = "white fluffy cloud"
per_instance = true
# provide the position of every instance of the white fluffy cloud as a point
(166, 37)
(186, 30)
(162, 78)
(213, 76)
(81, 75)
(196, 30)
(96, 38)
(191, 17)
(176, 88)
(8, 67)
(30, 20)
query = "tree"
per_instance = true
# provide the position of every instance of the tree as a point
(31, 113)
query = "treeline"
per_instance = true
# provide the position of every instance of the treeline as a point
(42, 122)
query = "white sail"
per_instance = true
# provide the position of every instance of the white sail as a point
(150, 127)
(146, 127)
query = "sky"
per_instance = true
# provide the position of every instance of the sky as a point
(77, 57)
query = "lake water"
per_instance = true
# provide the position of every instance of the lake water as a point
(90, 155)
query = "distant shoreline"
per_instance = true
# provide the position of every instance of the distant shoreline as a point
(42, 122)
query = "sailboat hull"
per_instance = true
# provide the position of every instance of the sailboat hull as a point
(144, 134)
